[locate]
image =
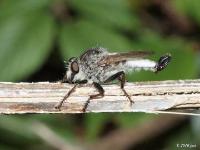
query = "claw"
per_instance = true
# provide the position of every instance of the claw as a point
(162, 62)
(128, 96)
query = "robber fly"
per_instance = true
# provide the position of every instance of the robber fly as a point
(98, 66)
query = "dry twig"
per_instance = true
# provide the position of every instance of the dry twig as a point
(156, 97)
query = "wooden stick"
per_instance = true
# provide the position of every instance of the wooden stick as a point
(150, 97)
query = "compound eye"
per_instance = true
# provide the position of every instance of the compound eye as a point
(74, 67)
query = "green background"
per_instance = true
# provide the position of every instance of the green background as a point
(36, 36)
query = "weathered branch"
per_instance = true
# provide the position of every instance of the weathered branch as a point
(156, 97)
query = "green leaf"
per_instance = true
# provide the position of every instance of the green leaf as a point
(188, 7)
(21, 7)
(65, 128)
(17, 127)
(132, 119)
(184, 136)
(195, 122)
(76, 37)
(6, 147)
(25, 42)
(114, 13)
(94, 124)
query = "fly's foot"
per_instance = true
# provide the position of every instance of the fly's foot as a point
(58, 106)
(85, 106)
(128, 96)
(130, 100)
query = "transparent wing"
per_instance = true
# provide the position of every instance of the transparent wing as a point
(114, 58)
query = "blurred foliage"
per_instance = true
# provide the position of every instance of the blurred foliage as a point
(32, 30)
(189, 8)
(184, 139)
(25, 38)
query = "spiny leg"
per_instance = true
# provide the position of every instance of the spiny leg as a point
(99, 95)
(59, 105)
(122, 80)
(121, 77)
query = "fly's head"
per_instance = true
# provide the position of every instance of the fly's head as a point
(74, 73)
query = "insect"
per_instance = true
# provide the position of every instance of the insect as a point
(98, 66)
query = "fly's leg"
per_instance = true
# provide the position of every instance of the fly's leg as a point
(121, 77)
(99, 95)
(64, 79)
(59, 105)
(122, 80)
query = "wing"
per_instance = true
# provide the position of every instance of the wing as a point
(114, 58)
(89, 53)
